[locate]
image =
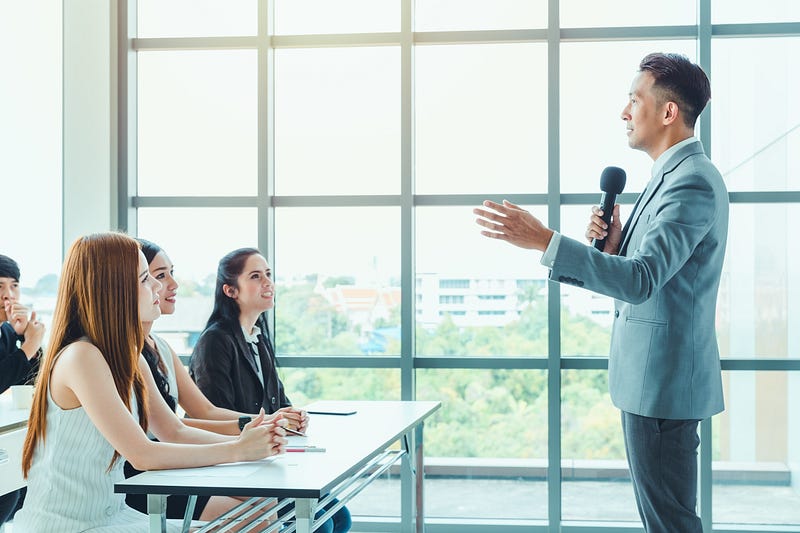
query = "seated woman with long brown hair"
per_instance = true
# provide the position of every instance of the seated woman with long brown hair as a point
(90, 407)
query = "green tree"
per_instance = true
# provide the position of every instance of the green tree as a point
(486, 413)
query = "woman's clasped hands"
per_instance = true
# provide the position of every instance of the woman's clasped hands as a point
(259, 440)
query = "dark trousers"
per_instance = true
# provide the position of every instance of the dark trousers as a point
(662, 456)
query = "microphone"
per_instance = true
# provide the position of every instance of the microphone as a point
(612, 181)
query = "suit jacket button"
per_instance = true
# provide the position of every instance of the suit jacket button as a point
(273, 400)
(616, 313)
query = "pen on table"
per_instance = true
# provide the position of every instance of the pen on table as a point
(303, 449)
(293, 431)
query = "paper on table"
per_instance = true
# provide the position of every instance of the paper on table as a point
(294, 441)
(242, 469)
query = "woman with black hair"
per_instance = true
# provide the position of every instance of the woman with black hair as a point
(233, 361)
(177, 388)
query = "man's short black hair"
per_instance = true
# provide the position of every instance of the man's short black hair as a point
(679, 80)
(8, 268)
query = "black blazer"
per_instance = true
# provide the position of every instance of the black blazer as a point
(15, 367)
(222, 368)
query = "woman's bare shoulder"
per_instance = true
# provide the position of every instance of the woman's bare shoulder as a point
(81, 352)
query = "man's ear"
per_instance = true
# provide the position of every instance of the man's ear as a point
(671, 112)
(229, 291)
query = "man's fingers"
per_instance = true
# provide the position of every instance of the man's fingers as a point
(504, 208)
(497, 217)
(491, 205)
(598, 222)
(615, 213)
(494, 235)
(493, 226)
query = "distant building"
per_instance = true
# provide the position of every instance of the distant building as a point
(363, 306)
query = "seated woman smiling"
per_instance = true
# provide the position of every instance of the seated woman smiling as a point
(91, 407)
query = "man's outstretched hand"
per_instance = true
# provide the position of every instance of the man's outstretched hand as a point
(511, 223)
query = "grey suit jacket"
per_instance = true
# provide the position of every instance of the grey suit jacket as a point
(664, 359)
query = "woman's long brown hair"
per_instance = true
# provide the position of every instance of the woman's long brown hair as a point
(97, 299)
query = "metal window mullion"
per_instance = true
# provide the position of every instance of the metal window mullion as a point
(553, 289)
(625, 33)
(407, 280)
(126, 185)
(704, 478)
(407, 348)
(196, 43)
(767, 29)
(266, 135)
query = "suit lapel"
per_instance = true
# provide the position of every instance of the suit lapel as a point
(247, 352)
(652, 187)
(641, 203)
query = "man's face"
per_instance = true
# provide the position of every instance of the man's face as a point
(9, 293)
(643, 114)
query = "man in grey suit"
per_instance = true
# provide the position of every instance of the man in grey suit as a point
(663, 270)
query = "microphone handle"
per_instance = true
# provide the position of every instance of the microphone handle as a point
(607, 205)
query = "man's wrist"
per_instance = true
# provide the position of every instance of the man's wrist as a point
(548, 237)
(29, 349)
(551, 250)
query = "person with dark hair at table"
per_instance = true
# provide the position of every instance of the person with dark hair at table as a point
(176, 388)
(234, 362)
(21, 333)
(92, 408)
(20, 347)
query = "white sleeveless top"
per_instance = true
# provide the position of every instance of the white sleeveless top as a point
(69, 488)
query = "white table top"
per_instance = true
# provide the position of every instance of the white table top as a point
(350, 442)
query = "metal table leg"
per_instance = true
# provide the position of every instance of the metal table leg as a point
(157, 511)
(304, 514)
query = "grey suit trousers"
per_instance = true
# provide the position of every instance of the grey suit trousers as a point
(662, 455)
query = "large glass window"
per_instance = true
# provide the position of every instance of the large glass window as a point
(355, 143)
(593, 451)
(756, 120)
(197, 123)
(743, 12)
(481, 115)
(757, 313)
(443, 15)
(30, 148)
(297, 17)
(337, 121)
(755, 450)
(338, 281)
(476, 296)
(592, 13)
(488, 443)
(197, 18)
(595, 82)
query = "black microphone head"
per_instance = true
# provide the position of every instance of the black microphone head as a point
(612, 180)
